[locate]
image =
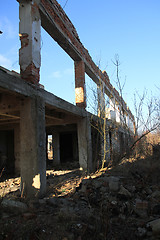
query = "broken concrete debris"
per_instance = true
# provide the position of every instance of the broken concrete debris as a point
(105, 206)
(19, 206)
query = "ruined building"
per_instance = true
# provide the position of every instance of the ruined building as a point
(28, 113)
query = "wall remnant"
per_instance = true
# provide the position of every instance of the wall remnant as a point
(31, 113)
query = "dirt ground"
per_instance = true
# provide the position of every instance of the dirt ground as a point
(113, 204)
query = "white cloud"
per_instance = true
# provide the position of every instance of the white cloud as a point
(68, 71)
(56, 74)
(5, 62)
(60, 74)
(9, 30)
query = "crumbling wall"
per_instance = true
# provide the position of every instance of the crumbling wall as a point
(65, 26)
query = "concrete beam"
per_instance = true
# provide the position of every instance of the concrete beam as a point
(11, 83)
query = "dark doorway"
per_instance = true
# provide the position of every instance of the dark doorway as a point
(66, 147)
(7, 160)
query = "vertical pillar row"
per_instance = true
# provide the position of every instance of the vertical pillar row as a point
(80, 87)
(33, 147)
(30, 37)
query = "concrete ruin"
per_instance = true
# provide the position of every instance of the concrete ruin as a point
(29, 114)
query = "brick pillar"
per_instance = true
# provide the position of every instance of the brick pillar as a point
(80, 88)
(30, 37)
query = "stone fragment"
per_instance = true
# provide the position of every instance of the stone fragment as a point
(143, 205)
(43, 201)
(28, 215)
(53, 202)
(156, 209)
(141, 232)
(114, 184)
(141, 208)
(124, 193)
(155, 226)
(97, 184)
(22, 207)
(156, 194)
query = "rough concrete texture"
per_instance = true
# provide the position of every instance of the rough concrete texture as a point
(85, 144)
(32, 151)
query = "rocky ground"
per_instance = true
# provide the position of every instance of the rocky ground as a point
(113, 204)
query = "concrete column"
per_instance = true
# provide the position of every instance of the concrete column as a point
(118, 114)
(30, 37)
(107, 148)
(33, 147)
(127, 120)
(17, 148)
(112, 109)
(56, 148)
(85, 144)
(80, 87)
(101, 100)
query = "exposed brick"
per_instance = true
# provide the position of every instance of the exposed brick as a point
(31, 74)
(80, 88)
(55, 11)
(61, 19)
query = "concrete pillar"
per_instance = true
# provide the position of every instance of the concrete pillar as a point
(80, 87)
(33, 147)
(85, 144)
(101, 100)
(127, 121)
(118, 113)
(112, 109)
(30, 37)
(17, 148)
(107, 148)
(56, 148)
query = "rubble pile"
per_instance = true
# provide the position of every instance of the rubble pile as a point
(105, 205)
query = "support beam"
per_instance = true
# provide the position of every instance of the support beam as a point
(30, 36)
(17, 147)
(112, 109)
(85, 144)
(33, 147)
(80, 87)
(101, 100)
(56, 148)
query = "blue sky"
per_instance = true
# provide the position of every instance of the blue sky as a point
(130, 29)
